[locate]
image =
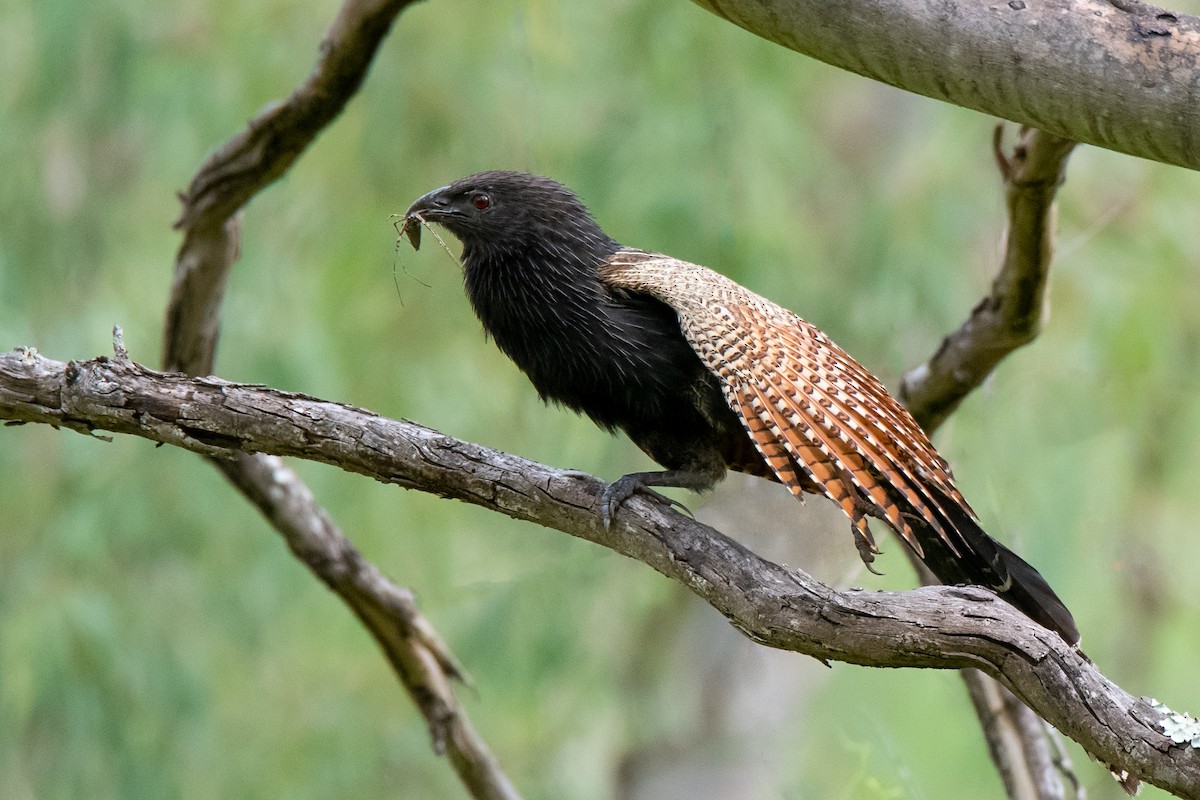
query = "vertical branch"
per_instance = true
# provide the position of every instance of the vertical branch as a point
(211, 225)
(1018, 742)
(248, 162)
(1003, 321)
(1011, 315)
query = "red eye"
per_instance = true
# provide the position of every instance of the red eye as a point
(481, 201)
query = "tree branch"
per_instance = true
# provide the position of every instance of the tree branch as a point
(1011, 315)
(1120, 75)
(1016, 739)
(282, 131)
(252, 160)
(211, 225)
(1005, 320)
(931, 627)
(418, 655)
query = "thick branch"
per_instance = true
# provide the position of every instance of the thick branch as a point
(1120, 75)
(35, 389)
(932, 627)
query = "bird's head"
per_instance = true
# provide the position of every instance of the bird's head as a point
(498, 213)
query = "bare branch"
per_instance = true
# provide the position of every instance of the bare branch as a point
(211, 224)
(34, 389)
(193, 321)
(931, 627)
(250, 161)
(281, 132)
(1016, 740)
(1119, 75)
(413, 647)
(1009, 317)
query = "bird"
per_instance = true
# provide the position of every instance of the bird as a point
(705, 376)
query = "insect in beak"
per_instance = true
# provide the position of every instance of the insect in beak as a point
(411, 227)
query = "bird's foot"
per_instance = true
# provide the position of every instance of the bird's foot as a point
(867, 549)
(623, 488)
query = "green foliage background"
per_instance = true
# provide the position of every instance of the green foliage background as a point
(157, 641)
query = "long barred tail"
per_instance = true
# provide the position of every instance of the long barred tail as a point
(822, 422)
(988, 563)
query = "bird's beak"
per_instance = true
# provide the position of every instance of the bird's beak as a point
(429, 207)
(430, 204)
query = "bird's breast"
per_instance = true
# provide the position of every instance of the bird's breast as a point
(616, 358)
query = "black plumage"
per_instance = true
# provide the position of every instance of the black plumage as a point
(704, 375)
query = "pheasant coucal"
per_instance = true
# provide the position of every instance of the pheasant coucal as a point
(704, 375)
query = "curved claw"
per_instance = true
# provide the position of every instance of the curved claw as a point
(669, 501)
(615, 494)
(867, 549)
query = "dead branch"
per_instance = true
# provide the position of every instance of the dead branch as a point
(1009, 317)
(931, 627)
(211, 223)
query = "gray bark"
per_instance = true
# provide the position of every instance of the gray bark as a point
(931, 627)
(1119, 75)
